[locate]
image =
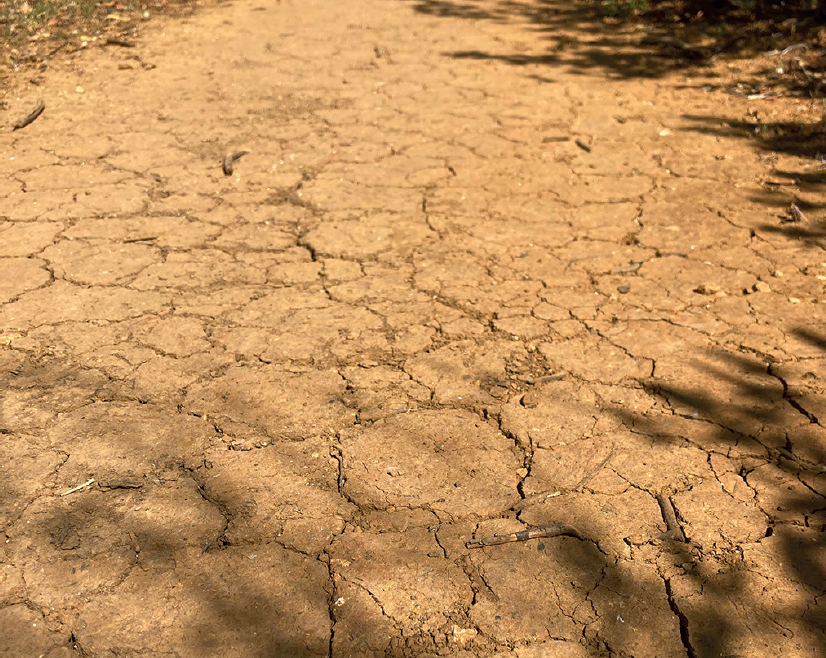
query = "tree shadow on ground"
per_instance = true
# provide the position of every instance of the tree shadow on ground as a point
(805, 187)
(131, 575)
(803, 140)
(576, 35)
(580, 37)
(754, 416)
(638, 39)
(179, 567)
(135, 556)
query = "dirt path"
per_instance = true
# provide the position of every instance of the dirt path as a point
(417, 313)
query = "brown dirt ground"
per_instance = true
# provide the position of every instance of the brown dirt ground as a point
(418, 312)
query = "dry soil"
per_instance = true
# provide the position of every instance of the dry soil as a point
(485, 267)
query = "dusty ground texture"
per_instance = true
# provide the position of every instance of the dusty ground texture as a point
(417, 313)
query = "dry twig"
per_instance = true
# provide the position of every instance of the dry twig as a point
(115, 41)
(31, 116)
(550, 530)
(796, 214)
(79, 487)
(229, 160)
(674, 531)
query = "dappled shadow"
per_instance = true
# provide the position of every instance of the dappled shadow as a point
(136, 564)
(577, 35)
(803, 140)
(449, 9)
(809, 235)
(177, 563)
(811, 337)
(516, 60)
(108, 516)
(783, 187)
(606, 35)
(606, 38)
(754, 417)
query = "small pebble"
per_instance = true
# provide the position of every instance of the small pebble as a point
(706, 289)
(622, 290)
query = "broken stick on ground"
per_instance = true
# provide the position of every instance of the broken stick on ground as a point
(550, 530)
(674, 531)
(79, 487)
(31, 116)
(229, 161)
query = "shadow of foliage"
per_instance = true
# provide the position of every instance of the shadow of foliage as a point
(679, 31)
(578, 35)
(740, 401)
(803, 140)
(648, 40)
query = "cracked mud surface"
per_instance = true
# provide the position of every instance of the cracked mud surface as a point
(417, 313)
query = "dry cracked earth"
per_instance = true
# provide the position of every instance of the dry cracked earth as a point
(262, 414)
